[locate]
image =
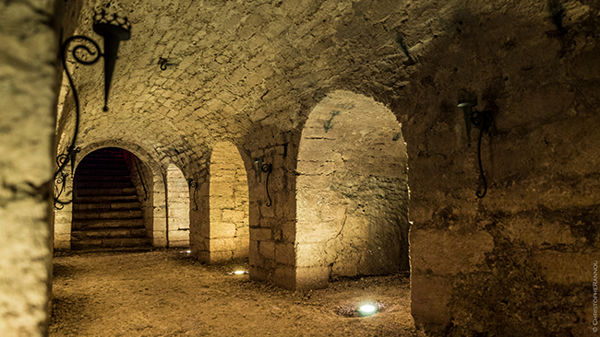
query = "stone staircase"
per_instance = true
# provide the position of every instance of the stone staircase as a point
(107, 213)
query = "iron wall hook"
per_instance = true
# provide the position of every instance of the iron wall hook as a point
(163, 63)
(192, 184)
(482, 120)
(262, 167)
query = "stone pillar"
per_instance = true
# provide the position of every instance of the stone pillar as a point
(28, 92)
(229, 233)
(178, 207)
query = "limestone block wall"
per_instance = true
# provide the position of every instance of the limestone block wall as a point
(520, 259)
(144, 182)
(351, 192)
(28, 89)
(149, 182)
(272, 214)
(228, 198)
(200, 216)
(251, 73)
(178, 208)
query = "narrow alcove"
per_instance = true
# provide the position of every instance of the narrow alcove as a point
(352, 192)
(108, 205)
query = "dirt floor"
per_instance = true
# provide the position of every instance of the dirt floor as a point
(171, 294)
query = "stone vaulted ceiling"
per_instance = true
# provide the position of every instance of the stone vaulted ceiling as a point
(235, 65)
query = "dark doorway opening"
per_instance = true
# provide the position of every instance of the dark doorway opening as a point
(109, 190)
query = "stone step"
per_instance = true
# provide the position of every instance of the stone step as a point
(111, 243)
(98, 172)
(92, 224)
(105, 198)
(117, 214)
(108, 232)
(103, 184)
(91, 168)
(107, 214)
(93, 250)
(104, 205)
(105, 191)
(95, 178)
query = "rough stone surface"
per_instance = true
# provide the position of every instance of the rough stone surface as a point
(28, 90)
(351, 190)
(252, 72)
(228, 236)
(178, 207)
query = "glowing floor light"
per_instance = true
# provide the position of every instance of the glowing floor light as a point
(363, 309)
(367, 309)
(239, 272)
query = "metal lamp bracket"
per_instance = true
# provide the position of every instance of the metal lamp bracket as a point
(87, 52)
(482, 120)
(262, 167)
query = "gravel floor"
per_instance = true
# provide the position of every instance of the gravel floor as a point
(167, 293)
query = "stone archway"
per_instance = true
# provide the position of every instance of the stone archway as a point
(178, 208)
(147, 169)
(109, 191)
(352, 192)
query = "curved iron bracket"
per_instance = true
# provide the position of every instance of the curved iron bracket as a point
(113, 29)
(268, 169)
(483, 121)
(193, 185)
(68, 156)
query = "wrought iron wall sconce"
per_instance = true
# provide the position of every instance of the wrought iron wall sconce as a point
(113, 29)
(262, 167)
(163, 63)
(483, 121)
(193, 185)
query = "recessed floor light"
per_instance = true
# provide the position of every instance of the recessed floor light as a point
(363, 309)
(367, 309)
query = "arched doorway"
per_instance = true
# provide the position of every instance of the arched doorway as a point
(352, 192)
(178, 208)
(229, 205)
(110, 189)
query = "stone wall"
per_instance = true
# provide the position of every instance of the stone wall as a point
(178, 208)
(143, 181)
(272, 206)
(228, 234)
(28, 90)
(351, 192)
(251, 72)
(200, 216)
(520, 259)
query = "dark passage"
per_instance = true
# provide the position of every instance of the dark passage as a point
(107, 212)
